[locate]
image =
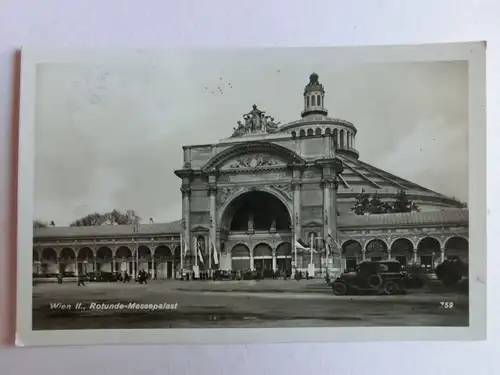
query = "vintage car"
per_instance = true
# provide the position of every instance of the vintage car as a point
(102, 276)
(221, 275)
(372, 277)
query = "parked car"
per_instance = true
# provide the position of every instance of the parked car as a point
(221, 275)
(372, 277)
(102, 276)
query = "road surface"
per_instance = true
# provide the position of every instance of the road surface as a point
(205, 304)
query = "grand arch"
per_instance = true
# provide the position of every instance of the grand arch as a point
(261, 204)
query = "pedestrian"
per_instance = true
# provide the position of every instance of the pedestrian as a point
(81, 280)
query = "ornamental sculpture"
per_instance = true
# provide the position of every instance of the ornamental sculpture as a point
(252, 161)
(256, 121)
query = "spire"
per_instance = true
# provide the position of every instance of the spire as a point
(314, 95)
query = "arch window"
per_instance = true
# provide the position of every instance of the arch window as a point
(319, 100)
(313, 101)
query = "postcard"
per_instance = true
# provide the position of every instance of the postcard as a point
(240, 196)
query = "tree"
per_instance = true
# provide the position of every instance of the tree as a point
(114, 217)
(362, 203)
(39, 224)
(376, 206)
(403, 204)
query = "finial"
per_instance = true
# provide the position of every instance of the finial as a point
(313, 79)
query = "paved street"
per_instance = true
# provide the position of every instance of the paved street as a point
(268, 303)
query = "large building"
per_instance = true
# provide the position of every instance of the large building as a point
(248, 199)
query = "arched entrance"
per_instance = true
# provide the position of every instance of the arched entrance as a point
(164, 263)
(104, 260)
(457, 248)
(351, 251)
(263, 259)
(284, 258)
(67, 262)
(402, 251)
(49, 262)
(145, 259)
(429, 251)
(124, 260)
(85, 258)
(240, 257)
(256, 211)
(376, 250)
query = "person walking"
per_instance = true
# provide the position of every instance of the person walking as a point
(81, 280)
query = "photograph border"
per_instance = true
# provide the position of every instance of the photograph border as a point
(473, 52)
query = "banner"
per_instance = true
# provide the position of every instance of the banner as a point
(198, 250)
(216, 254)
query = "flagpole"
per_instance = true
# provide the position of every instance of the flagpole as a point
(312, 247)
(196, 251)
(295, 248)
(182, 253)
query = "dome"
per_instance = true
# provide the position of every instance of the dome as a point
(358, 176)
(314, 85)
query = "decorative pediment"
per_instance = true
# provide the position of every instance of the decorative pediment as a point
(253, 155)
(251, 161)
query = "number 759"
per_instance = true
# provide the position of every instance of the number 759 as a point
(446, 305)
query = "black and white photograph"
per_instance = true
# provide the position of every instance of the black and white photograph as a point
(250, 191)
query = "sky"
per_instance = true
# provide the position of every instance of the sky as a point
(110, 136)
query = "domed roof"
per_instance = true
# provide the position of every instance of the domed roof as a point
(316, 119)
(358, 176)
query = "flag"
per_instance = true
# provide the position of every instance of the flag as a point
(299, 246)
(186, 247)
(216, 254)
(198, 250)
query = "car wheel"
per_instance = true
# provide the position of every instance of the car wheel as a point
(339, 289)
(375, 281)
(390, 287)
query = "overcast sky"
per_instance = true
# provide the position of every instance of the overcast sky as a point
(110, 136)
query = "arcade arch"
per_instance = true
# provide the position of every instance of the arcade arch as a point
(402, 251)
(352, 253)
(263, 258)
(457, 247)
(376, 249)
(240, 257)
(284, 257)
(429, 252)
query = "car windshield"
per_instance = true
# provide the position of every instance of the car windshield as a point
(382, 267)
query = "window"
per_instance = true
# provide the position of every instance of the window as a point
(375, 245)
(307, 102)
(350, 263)
(313, 101)
(319, 100)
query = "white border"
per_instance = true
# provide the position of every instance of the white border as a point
(474, 53)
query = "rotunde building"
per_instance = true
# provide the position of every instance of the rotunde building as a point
(258, 200)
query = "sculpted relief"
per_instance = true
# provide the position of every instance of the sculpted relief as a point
(252, 161)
